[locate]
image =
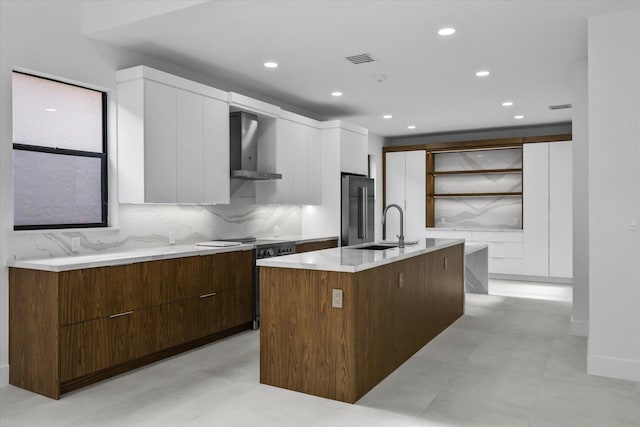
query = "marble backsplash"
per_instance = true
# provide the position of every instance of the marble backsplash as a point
(142, 226)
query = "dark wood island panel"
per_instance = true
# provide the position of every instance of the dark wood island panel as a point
(388, 313)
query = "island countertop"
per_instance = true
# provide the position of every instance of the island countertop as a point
(350, 259)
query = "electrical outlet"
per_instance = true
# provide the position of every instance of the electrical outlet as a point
(401, 279)
(634, 223)
(336, 298)
(276, 230)
(75, 244)
(172, 238)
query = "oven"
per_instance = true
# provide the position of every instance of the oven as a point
(266, 249)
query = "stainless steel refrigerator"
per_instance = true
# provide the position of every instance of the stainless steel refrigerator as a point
(357, 210)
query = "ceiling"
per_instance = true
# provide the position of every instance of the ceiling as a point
(419, 77)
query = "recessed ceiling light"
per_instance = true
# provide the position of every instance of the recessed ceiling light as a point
(271, 64)
(483, 73)
(518, 117)
(507, 103)
(50, 109)
(446, 31)
(387, 116)
(411, 127)
(336, 93)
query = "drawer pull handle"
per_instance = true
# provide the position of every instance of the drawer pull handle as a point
(126, 313)
(207, 295)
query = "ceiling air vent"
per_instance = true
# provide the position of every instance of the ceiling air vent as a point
(560, 107)
(363, 58)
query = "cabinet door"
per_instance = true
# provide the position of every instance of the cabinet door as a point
(299, 157)
(415, 194)
(395, 191)
(314, 167)
(560, 210)
(216, 151)
(353, 152)
(160, 123)
(189, 151)
(536, 209)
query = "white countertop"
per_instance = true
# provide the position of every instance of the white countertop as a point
(121, 257)
(470, 248)
(351, 260)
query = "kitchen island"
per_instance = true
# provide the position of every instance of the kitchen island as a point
(336, 322)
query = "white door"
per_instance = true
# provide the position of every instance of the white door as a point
(560, 210)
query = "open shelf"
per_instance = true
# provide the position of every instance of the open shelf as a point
(478, 194)
(478, 171)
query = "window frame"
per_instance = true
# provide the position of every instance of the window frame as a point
(103, 156)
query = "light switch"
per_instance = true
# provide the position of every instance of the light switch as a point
(172, 238)
(633, 223)
(75, 244)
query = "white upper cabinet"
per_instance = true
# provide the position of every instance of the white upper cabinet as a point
(296, 154)
(354, 151)
(173, 139)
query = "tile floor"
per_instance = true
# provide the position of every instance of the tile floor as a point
(509, 361)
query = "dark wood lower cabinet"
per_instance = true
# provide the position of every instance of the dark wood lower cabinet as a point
(48, 356)
(388, 313)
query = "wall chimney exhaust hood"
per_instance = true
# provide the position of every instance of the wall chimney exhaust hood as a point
(243, 149)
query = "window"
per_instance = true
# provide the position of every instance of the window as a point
(59, 154)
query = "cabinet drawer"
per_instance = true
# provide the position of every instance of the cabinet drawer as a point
(100, 292)
(226, 271)
(447, 234)
(316, 246)
(497, 236)
(218, 311)
(505, 266)
(504, 249)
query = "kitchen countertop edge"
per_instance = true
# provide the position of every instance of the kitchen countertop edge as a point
(325, 259)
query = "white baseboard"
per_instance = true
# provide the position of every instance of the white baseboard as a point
(539, 279)
(624, 369)
(4, 375)
(579, 328)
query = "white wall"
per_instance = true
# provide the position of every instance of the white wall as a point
(46, 37)
(614, 195)
(580, 145)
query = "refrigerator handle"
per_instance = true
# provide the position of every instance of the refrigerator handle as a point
(360, 212)
(365, 212)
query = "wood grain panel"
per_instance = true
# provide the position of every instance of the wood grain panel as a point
(316, 246)
(227, 271)
(305, 344)
(92, 293)
(33, 331)
(388, 314)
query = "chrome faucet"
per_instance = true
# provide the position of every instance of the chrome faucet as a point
(384, 224)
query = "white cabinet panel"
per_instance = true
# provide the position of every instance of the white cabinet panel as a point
(497, 236)
(160, 130)
(173, 139)
(314, 167)
(505, 265)
(353, 152)
(216, 151)
(415, 194)
(394, 190)
(504, 250)
(448, 234)
(536, 209)
(406, 186)
(560, 210)
(189, 159)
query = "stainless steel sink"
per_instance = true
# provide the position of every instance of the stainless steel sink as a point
(377, 247)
